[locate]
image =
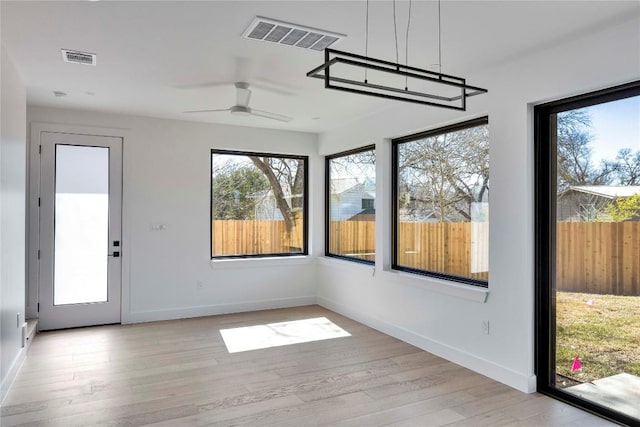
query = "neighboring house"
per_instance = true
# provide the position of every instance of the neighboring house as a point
(351, 200)
(348, 200)
(266, 207)
(365, 215)
(582, 203)
(421, 207)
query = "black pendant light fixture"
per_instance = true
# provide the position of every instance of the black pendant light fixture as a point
(364, 75)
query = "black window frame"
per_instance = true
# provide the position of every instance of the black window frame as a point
(305, 204)
(545, 202)
(480, 121)
(327, 215)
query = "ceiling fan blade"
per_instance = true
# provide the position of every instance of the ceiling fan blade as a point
(261, 84)
(270, 115)
(243, 94)
(207, 111)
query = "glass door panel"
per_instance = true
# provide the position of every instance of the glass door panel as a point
(597, 246)
(588, 251)
(81, 224)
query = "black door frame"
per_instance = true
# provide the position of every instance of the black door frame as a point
(545, 220)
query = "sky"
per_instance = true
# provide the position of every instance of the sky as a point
(615, 125)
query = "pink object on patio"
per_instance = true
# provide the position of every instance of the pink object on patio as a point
(576, 364)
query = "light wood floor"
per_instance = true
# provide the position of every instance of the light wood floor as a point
(179, 373)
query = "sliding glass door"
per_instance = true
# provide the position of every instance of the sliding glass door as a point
(588, 251)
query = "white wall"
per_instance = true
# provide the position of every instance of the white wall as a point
(166, 179)
(443, 318)
(12, 219)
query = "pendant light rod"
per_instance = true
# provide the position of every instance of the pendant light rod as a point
(395, 30)
(439, 40)
(406, 47)
(366, 40)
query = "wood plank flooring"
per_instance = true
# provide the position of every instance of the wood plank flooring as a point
(179, 373)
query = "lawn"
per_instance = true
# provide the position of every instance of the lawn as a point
(602, 330)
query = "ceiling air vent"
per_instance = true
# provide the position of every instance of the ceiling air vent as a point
(78, 57)
(284, 33)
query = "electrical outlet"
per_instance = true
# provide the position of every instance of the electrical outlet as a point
(199, 284)
(485, 327)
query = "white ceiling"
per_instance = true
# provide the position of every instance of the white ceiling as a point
(157, 58)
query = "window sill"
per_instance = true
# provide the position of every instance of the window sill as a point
(441, 286)
(342, 263)
(235, 263)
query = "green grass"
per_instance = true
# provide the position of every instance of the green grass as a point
(605, 335)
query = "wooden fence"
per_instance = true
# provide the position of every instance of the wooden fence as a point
(454, 243)
(592, 257)
(238, 237)
(598, 257)
(457, 248)
(353, 238)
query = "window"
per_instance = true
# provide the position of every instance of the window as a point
(587, 221)
(441, 203)
(258, 204)
(350, 201)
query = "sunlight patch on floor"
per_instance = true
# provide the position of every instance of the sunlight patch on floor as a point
(279, 334)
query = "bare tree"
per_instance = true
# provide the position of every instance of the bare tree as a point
(356, 165)
(286, 179)
(575, 165)
(443, 175)
(626, 167)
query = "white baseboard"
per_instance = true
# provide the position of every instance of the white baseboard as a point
(11, 374)
(522, 382)
(211, 310)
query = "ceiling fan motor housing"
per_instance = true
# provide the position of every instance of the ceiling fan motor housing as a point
(240, 110)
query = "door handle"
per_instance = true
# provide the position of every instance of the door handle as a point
(115, 254)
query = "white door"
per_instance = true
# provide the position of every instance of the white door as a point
(80, 230)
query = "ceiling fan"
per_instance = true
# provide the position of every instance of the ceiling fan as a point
(241, 108)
